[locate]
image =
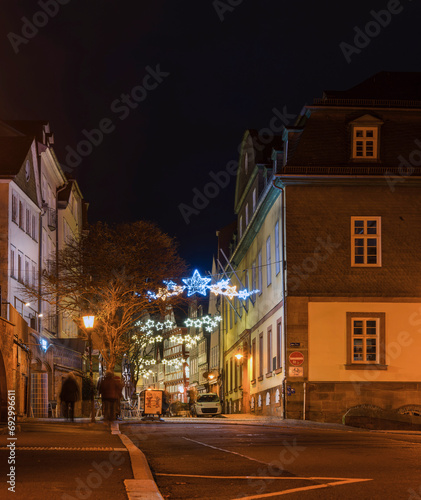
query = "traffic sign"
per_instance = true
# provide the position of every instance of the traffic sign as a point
(296, 358)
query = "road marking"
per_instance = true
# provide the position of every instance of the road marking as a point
(338, 482)
(226, 451)
(285, 478)
(304, 488)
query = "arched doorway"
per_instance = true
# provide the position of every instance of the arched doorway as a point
(3, 391)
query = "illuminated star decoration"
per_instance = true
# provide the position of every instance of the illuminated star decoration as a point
(200, 285)
(196, 284)
(208, 322)
(218, 287)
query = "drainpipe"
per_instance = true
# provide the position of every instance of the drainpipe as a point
(304, 401)
(284, 329)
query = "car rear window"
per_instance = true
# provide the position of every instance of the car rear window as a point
(208, 398)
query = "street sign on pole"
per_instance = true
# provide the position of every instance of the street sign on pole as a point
(296, 358)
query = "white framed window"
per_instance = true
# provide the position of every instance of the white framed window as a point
(247, 214)
(365, 144)
(277, 253)
(366, 241)
(20, 267)
(366, 339)
(21, 215)
(27, 274)
(260, 272)
(13, 261)
(254, 199)
(34, 228)
(268, 262)
(34, 274)
(15, 209)
(253, 276)
(28, 221)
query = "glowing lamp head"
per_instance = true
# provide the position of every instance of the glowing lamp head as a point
(211, 376)
(239, 355)
(88, 321)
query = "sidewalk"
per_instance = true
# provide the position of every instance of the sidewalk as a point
(55, 459)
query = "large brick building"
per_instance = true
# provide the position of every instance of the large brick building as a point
(349, 180)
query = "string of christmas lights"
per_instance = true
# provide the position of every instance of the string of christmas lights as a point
(200, 285)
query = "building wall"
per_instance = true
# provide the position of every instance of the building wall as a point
(318, 239)
(264, 314)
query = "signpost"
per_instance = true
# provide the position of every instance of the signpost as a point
(296, 358)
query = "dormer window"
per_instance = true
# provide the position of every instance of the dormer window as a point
(365, 142)
(365, 136)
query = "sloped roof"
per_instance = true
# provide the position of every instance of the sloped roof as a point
(34, 128)
(326, 139)
(383, 85)
(13, 151)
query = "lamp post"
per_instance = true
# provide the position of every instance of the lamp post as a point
(88, 321)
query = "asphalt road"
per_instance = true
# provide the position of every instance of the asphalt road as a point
(219, 461)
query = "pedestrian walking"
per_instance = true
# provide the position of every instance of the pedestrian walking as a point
(110, 390)
(69, 394)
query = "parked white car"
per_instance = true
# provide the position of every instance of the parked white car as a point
(207, 405)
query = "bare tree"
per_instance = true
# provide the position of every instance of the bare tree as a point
(108, 272)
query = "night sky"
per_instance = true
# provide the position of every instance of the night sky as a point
(217, 69)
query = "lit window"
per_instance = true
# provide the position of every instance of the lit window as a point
(277, 254)
(240, 227)
(260, 277)
(366, 339)
(365, 142)
(247, 214)
(366, 241)
(268, 262)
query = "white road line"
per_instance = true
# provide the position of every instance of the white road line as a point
(304, 488)
(226, 451)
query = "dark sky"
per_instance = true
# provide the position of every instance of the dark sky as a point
(218, 77)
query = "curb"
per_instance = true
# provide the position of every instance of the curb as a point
(143, 485)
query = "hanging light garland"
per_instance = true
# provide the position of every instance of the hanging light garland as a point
(198, 285)
(208, 322)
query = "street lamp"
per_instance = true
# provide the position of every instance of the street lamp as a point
(88, 321)
(239, 354)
